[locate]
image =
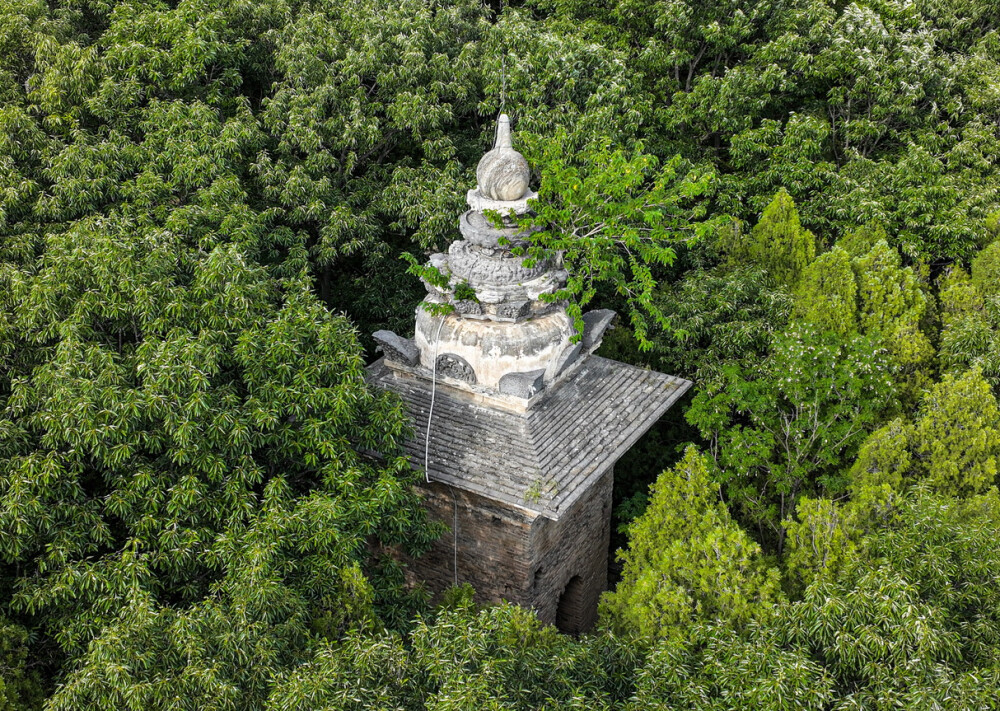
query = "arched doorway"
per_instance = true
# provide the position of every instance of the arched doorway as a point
(569, 613)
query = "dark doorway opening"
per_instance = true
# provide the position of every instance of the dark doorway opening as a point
(570, 615)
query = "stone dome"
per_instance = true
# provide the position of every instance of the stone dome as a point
(503, 173)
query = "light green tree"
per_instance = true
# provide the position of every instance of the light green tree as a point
(885, 458)
(777, 242)
(821, 538)
(986, 271)
(908, 621)
(950, 447)
(892, 307)
(687, 561)
(969, 334)
(861, 285)
(956, 439)
(827, 294)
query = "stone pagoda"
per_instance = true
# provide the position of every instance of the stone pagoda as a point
(518, 423)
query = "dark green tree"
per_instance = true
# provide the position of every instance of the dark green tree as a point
(783, 430)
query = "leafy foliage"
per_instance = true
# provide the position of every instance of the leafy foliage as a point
(496, 658)
(190, 515)
(951, 447)
(777, 242)
(20, 686)
(613, 218)
(719, 317)
(781, 431)
(687, 560)
(970, 322)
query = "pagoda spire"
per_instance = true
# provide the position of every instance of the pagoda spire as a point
(485, 328)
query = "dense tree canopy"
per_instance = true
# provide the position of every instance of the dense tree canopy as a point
(203, 203)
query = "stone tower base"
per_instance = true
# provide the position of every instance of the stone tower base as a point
(530, 489)
(558, 568)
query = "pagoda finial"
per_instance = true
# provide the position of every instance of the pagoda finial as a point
(503, 173)
(503, 133)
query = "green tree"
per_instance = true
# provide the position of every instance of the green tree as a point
(951, 447)
(873, 294)
(784, 429)
(615, 217)
(969, 333)
(497, 658)
(716, 668)
(20, 687)
(821, 539)
(892, 307)
(687, 561)
(167, 476)
(719, 317)
(986, 271)
(171, 387)
(956, 440)
(777, 242)
(827, 294)
(885, 458)
(909, 621)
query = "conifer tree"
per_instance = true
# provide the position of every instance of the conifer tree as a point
(884, 459)
(859, 241)
(969, 334)
(986, 270)
(778, 241)
(892, 306)
(956, 440)
(827, 294)
(687, 560)
(821, 537)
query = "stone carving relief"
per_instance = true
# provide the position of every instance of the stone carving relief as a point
(396, 348)
(513, 309)
(450, 365)
(468, 307)
(491, 266)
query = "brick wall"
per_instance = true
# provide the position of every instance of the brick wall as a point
(575, 545)
(507, 553)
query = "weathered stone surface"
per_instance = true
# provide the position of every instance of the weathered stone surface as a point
(569, 356)
(467, 307)
(513, 309)
(547, 283)
(475, 228)
(479, 267)
(578, 427)
(453, 366)
(396, 348)
(522, 384)
(595, 325)
(479, 202)
(503, 173)
(508, 553)
(493, 348)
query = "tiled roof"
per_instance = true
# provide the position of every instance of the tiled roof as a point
(543, 459)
